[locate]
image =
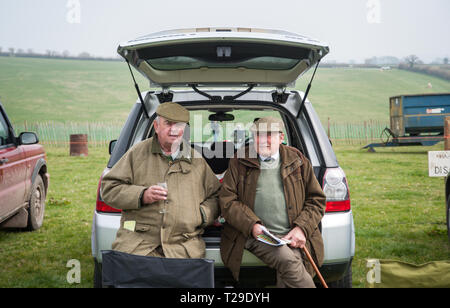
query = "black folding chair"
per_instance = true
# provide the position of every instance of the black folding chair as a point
(123, 270)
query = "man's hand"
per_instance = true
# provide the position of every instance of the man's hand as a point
(257, 230)
(153, 194)
(297, 238)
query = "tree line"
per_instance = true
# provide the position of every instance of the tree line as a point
(439, 67)
(19, 52)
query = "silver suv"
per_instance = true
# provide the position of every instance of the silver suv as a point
(227, 78)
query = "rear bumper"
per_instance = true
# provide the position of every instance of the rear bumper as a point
(104, 229)
(337, 230)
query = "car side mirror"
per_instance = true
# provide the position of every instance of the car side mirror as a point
(112, 144)
(26, 138)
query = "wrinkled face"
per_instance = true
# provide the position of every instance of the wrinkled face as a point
(169, 133)
(268, 143)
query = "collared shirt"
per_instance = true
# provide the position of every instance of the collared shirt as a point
(270, 162)
(183, 151)
(173, 156)
(275, 156)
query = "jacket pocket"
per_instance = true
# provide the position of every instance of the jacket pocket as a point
(126, 241)
(140, 227)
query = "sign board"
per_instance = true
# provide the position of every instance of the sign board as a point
(438, 163)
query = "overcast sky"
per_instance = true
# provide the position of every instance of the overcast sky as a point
(354, 29)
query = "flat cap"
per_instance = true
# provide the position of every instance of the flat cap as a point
(173, 112)
(268, 124)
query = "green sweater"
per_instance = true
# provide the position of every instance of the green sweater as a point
(270, 203)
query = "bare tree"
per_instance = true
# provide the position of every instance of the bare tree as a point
(411, 60)
(11, 51)
(445, 59)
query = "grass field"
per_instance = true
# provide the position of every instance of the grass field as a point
(80, 91)
(66, 90)
(398, 210)
(355, 95)
(38, 259)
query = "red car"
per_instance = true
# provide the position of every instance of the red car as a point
(23, 178)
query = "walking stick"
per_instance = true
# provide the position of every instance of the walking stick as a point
(315, 267)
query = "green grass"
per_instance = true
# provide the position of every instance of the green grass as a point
(355, 95)
(399, 213)
(398, 210)
(79, 91)
(38, 259)
(66, 90)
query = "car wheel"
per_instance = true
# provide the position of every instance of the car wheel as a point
(37, 204)
(344, 282)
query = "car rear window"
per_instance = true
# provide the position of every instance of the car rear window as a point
(202, 130)
(228, 54)
(183, 63)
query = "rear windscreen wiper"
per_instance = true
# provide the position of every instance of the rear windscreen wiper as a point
(219, 98)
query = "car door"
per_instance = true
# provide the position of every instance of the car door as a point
(12, 171)
(223, 57)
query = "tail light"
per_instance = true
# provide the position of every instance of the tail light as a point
(336, 190)
(100, 205)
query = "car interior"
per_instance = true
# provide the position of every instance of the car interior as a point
(218, 133)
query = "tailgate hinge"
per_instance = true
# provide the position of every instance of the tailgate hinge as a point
(280, 96)
(165, 95)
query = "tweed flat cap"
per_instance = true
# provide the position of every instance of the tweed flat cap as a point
(268, 124)
(173, 112)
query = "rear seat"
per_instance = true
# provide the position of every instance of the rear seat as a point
(217, 155)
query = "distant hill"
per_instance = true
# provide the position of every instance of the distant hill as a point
(355, 95)
(75, 90)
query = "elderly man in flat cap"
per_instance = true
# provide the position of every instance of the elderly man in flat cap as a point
(273, 186)
(167, 195)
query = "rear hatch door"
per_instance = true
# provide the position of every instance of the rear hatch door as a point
(222, 57)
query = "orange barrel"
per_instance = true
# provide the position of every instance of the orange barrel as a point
(79, 145)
